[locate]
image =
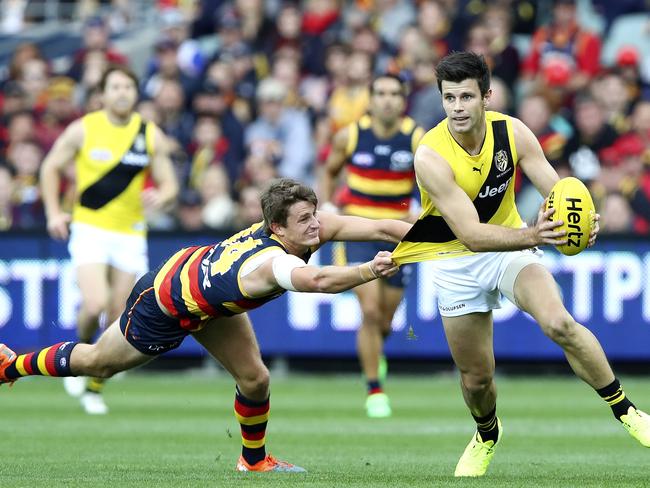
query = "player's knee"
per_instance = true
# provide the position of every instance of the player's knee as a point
(560, 328)
(372, 317)
(256, 383)
(477, 382)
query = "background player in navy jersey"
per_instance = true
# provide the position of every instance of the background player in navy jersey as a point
(206, 290)
(377, 155)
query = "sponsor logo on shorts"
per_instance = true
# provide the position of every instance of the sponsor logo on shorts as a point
(452, 308)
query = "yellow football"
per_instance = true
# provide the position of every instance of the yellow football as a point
(573, 205)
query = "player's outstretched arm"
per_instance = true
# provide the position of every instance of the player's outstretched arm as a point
(291, 273)
(350, 228)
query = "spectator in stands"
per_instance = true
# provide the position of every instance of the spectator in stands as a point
(175, 27)
(504, 57)
(501, 99)
(611, 91)
(6, 197)
(95, 63)
(23, 53)
(350, 101)
(93, 100)
(33, 77)
(626, 181)
(208, 148)
(434, 23)
(281, 133)
(424, 101)
(175, 122)
(392, 18)
(14, 99)
(59, 112)
(218, 207)
(240, 57)
(21, 127)
(164, 66)
(565, 44)
(592, 135)
(25, 159)
(411, 42)
(249, 208)
(95, 37)
(189, 213)
(256, 28)
(210, 101)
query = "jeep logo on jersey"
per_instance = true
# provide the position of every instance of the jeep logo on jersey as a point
(363, 159)
(501, 160)
(401, 161)
(490, 191)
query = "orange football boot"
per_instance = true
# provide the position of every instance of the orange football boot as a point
(269, 463)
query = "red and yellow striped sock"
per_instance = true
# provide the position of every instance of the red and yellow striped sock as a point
(252, 417)
(51, 361)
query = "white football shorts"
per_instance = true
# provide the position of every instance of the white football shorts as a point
(92, 245)
(475, 283)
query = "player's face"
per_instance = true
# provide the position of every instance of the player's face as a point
(463, 104)
(387, 102)
(302, 225)
(120, 94)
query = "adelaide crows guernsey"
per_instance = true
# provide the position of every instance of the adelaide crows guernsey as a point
(111, 168)
(203, 282)
(380, 174)
(487, 178)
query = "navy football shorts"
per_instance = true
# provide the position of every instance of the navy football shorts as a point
(145, 325)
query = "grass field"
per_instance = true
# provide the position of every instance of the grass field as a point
(178, 430)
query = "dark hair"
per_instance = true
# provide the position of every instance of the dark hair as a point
(460, 66)
(279, 196)
(390, 76)
(121, 69)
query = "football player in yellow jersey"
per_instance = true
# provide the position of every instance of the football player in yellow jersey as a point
(114, 151)
(206, 290)
(472, 233)
(377, 155)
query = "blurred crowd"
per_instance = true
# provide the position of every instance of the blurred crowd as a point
(248, 90)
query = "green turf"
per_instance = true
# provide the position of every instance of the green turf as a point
(178, 430)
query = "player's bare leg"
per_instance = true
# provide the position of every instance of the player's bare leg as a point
(378, 303)
(470, 342)
(536, 292)
(92, 280)
(232, 342)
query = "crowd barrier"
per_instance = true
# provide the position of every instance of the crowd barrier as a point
(606, 288)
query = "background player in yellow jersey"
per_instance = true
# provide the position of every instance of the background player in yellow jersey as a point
(472, 233)
(114, 150)
(206, 290)
(377, 154)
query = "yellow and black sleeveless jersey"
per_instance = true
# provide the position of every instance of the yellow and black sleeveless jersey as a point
(202, 282)
(111, 169)
(380, 174)
(487, 178)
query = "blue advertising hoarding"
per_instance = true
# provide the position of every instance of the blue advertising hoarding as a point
(607, 289)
